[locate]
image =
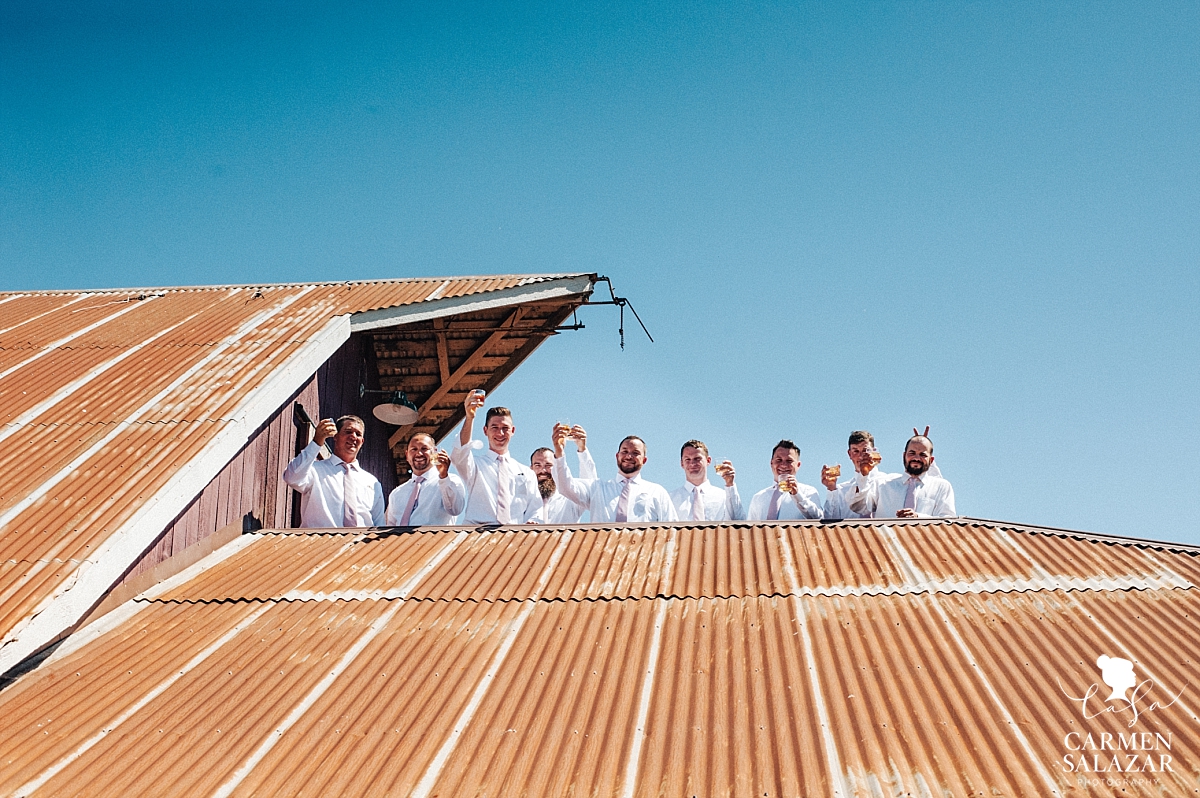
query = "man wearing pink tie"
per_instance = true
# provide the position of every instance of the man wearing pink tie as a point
(699, 499)
(626, 499)
(913, 494)
(499, 487)
(335, 491)
(434, 496)
(787, 499)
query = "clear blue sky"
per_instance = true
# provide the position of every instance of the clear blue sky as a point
(979, 216)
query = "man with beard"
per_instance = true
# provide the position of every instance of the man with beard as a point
(787, 499)
(628, 498)
(913, 494)
(699, 499)
(335, 491)
(499, 488)
(556, 508)
(865, 458)
(434, 496)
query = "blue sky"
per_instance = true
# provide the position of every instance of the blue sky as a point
(983, 217)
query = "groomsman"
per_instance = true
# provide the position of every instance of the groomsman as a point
(628, 498)
(787, 499)
(434, 496)
(556, 508)
(499, 488)
(865, 459)
(335, 492)
(698, 499)
(914, 494)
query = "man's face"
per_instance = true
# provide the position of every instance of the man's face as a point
(631, 457)
(499, 432)
(860, 454)
(542, 464)
(420, 453)
(784, 462)
(348, 441)
(918, 456)
(694, 462)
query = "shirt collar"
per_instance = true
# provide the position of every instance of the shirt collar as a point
(635, 479)
(340, 462)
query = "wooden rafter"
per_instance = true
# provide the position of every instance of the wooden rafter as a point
(463, 370)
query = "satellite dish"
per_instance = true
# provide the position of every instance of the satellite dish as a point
(400, 411)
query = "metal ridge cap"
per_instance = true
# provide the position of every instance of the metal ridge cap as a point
(537, 277)
(1099, 537)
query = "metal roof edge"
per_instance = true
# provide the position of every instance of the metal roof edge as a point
(64, 609)
(1099, 537)
(301, 284)
(555, 288)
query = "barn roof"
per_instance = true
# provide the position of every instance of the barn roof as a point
(937, 657)
(125, 403)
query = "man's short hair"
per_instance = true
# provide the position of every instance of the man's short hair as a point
(861, 436)
(628, 438)
(921, 438)
(536, 452)
(695, 444)
(341, 422)
(496, 411)
(786, 444)
(425, 435)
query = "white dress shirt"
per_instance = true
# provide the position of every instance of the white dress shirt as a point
(837, 502)
(934, 497)
(438, 502)
(558, 509)
(801, 504)
(720, 503)
(480, 470)
(321, 485)
(648, 501)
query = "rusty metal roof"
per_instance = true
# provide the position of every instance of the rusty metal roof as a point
(859, 658)
(126, 402)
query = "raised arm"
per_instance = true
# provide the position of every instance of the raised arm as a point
(299, 474)
(453, 491)
(461, 455)
(577, 490)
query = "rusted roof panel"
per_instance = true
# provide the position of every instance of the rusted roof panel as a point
(115, 393)
(920, 685)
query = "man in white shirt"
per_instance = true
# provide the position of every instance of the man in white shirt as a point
(434, 496)
(628, 498)
(787, 499)
(913, 494)
(864, 458)
(335, 492)
(698, 499)
(556, 508)
(499, 488)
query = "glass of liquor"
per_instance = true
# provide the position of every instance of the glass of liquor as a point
(834, 470)
(567, 423)
(875, 457)
(784, 485)
(718, 466)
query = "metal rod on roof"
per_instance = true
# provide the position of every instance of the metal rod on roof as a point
(620, 302)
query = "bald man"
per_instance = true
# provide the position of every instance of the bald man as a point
(434, 496)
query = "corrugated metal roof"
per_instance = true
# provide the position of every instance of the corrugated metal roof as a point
(768, 659)
(116, 398)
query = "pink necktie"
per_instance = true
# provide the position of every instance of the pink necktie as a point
(910, 495)
(623, 502)
(503, 490)
(412, 500)
(697, 504)
(349, 518)
(773, 510)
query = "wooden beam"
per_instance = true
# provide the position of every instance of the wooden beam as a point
(463, 370)
(443, 354)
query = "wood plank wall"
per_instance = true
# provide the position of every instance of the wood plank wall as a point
(251, 487)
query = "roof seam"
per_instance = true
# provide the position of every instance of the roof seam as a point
(849, 593)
